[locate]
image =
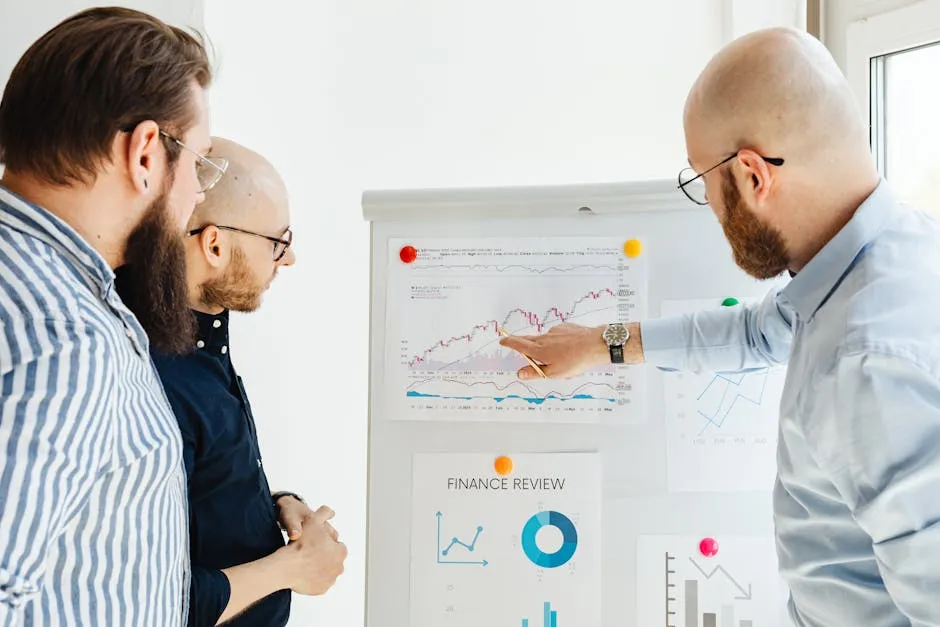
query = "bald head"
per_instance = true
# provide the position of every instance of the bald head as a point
(777, 91)
(250, 186)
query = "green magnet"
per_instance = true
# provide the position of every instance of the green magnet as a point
(729, 302)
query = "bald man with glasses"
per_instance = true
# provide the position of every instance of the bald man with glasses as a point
(243, 573)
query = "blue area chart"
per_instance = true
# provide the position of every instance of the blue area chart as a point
(568, 533)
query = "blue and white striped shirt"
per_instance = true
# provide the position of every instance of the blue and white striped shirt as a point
(93, 510)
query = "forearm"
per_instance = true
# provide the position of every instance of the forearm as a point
(252, 582)
(726, 339)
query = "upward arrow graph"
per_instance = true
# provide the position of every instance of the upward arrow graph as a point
(745, 594)
(468, 546)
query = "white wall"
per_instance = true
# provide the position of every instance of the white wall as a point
(838, 14)
(347, 95)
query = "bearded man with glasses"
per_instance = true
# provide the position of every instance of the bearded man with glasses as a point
(779, 151)
(243, 573)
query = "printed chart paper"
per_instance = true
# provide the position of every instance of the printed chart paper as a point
(521, 549)
(721, 428)
(448, 299)
(736, 586)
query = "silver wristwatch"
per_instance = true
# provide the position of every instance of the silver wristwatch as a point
(616, 336)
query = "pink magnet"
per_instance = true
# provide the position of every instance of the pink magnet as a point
(708, 547)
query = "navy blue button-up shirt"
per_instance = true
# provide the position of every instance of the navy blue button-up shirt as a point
(232, 517)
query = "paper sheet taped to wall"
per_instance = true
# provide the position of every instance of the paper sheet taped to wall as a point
(500, 546)
(448, 300)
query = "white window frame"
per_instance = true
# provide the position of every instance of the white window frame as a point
(868, 39)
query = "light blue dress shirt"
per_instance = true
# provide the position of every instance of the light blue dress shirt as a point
(857, 495)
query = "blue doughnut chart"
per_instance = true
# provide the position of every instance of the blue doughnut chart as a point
(569, 537)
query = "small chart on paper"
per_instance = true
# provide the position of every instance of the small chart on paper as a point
(721, 427)
(520, 549)
(734, 584)
(448, 301)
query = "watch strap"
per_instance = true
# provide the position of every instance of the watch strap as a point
(278, 495)
(616, 354)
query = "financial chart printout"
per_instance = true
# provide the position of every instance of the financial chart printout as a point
(449, 300)
(721, 427)
(521, 548)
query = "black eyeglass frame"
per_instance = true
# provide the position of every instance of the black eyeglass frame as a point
(777, 161)
(277, 240)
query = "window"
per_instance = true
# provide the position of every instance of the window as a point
(892, 63)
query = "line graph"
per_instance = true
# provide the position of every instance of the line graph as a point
(469, 547)
(721, 427)
(515, 321)
(443, 358)
(723, 393)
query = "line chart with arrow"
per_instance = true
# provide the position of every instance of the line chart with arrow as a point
(679, 586)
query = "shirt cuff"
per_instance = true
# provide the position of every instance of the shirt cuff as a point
(664, 344)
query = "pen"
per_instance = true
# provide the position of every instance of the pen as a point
(502, 332)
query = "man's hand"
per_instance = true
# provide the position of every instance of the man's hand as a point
(315, 559)
(568, 350)
(294, 514)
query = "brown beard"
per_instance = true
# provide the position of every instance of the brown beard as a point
(152, 282)
(758, 248)
(236, 289)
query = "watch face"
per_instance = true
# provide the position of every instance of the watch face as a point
(616, 335)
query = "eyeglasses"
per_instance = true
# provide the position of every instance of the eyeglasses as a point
(693, 184)
(281, 244)
(209, 170)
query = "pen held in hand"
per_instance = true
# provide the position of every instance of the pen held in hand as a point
(502, 332)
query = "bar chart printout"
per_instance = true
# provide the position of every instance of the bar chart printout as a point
(678, 586)
(550, 617)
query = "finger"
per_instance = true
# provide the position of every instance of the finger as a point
(531, 347)
(292, 523)
(332, 531)
(322, 514)
(529, 373)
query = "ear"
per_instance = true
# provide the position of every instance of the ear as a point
(756, 178)
(213, 247)
(146, 158)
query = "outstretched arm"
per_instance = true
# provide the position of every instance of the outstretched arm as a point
(726, 339)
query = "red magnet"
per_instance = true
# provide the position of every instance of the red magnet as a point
(408, 254)
(708, 547)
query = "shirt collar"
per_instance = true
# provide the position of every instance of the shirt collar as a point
(41, 224)
(811, 286)
(212, 332)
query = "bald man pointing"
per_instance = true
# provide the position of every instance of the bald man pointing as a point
(243, 573)
(780, 152)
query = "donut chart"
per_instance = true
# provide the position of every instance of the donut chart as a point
(568, 533)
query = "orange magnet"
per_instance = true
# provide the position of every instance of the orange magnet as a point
(503, 465)
(633, 248)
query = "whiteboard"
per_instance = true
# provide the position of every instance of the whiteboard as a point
(654, 520)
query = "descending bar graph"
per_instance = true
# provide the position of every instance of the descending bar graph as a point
(549, 617)
(678, 586)
(443, 357)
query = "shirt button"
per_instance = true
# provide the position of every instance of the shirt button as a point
(128, 333)
(224, 349)
(259, 463)
(200, 344)
(217, 324)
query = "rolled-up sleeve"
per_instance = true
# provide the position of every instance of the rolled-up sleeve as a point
(56, 430)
